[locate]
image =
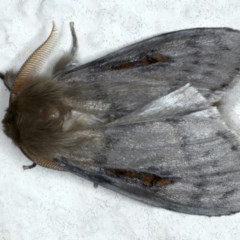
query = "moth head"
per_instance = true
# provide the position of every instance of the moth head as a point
(36, 107)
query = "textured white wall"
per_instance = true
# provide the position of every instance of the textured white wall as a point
(42, 204)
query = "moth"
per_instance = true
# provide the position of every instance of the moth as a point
(142, 121)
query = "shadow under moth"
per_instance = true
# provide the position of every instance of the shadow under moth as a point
(143, 120)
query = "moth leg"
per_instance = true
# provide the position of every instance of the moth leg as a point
(74, 40)
(8, 79)
(67, 61)
(2, 76)
(26, 167)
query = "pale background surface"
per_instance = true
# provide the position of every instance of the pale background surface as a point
(42, 204)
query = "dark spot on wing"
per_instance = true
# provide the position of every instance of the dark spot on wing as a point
(211, 64)
(145, 179)
(206, 153)
(196, 196)
(215, 164)
(213, 89)
(223, 135)
(224, 85)
(207, 73)
(228, 136)
(191, 43)
(225, 48)
(173, 120)
(228, 194)
(153, 169)
(187, 70)
(207, 95)
(142, 60)
(183, 142)
(101, 160)
(234, 147)
(150, 59)
(201, 184)
(196, 62)
(121, 65)
(195, 199)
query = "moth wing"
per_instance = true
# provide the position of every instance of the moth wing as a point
(131, 77)
(186, 161)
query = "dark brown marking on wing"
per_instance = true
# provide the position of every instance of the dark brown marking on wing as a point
(121, 65)
(144, 60)
(150, 59)
(145, 179)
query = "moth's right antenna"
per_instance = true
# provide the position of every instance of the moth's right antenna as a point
(34, 63)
